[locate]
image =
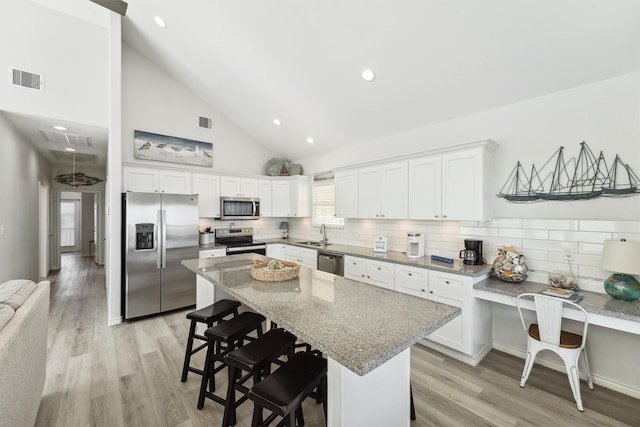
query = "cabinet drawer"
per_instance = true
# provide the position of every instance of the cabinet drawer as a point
(439, 282)
(354, 267)
(415, 275)
(213, 253)
(381, 269)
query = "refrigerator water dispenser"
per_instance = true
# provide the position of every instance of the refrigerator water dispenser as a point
(144, 236)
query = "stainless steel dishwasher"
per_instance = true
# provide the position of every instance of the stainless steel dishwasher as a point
(331, 263)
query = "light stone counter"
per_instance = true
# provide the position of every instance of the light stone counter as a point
(592, 302)
(360, 326)
(395, 257)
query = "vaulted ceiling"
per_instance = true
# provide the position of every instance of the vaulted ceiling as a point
(300, 61)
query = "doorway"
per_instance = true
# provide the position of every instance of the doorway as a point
(70, 221)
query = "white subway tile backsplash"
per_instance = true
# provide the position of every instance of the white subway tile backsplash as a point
(611, 226)
(592, 272)
(551, 224)
(503, 223)
(629, 236)
(480, 231)
(590, 248)
(579, 236)
(547, 245)
(524, 233)
(542, 241)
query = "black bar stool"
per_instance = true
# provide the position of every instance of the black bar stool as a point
(284, 391)
(221, 339)
(255, 358)
(209, 315)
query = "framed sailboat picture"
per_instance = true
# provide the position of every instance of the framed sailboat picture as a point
(577, 178)
(164, 148)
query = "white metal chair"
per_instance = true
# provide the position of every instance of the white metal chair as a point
(548, 335)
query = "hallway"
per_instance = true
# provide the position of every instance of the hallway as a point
(129, 375)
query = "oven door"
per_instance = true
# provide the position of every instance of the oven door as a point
(255, 249)
(239, 208)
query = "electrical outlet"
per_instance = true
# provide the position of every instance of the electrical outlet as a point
(567, 253)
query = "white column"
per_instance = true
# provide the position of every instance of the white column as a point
(379, 398)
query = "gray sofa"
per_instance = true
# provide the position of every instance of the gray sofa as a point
(24, 315)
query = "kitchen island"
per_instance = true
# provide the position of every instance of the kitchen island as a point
(365, 332)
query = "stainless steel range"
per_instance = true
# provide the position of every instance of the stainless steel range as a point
(239, 241)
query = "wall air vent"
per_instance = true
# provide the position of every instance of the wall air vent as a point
(26, 79)
(66, 138)
(205, 122)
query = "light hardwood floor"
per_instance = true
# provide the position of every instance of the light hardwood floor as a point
(129, 375)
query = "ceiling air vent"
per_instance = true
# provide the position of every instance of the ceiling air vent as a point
(26, 79)
(66, 138)
(65, 156)
(205, 122)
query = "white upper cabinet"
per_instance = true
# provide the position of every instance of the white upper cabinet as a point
(291, 196)
(264, 192)
(233, 186)
(455, 185)
(345, 192)
(425, 188)
(383, 191)
(207, 187)
(149, 180)
(466, 185)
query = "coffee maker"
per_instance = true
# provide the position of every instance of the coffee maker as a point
(472, 252)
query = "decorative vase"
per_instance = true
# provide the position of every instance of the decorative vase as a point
(622, 286)
(510, 265)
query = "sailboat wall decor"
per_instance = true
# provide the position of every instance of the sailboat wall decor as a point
(582, 178)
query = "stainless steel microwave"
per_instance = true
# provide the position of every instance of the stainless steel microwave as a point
(239, 208)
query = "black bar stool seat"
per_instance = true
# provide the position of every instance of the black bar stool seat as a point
(221, 339)
(209, 315)
(284, 391)
(255, 358)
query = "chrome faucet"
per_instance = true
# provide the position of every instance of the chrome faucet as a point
(323, 231)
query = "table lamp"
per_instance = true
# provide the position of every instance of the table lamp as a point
(623, 258)
(284, 225)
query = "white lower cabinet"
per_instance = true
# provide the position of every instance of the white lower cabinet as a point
(412, 280)
(467, 333)
(277, 251)
(303, 256)
(373, 272)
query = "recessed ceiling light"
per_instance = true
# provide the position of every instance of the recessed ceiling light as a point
(62, 128)
(160, 22)
(277, 122)
(310, 140)
(368, 75)
(70, 149)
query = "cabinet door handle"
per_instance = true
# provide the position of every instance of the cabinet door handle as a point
(422, 290)
(444, 216)
(437, 216)
(430, 292)
(379, 268)
(410, 274)
(447, 282)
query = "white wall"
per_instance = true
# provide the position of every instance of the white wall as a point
(21, 168)
(70, 52)
(154, 102)
(605, 114)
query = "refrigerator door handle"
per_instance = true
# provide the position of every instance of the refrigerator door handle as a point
(158, 239)
(164, 238)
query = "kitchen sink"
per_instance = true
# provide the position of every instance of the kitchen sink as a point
(312, 243)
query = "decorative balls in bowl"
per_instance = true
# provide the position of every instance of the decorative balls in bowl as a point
(510, 265)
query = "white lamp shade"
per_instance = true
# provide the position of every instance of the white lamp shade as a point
(620, 256)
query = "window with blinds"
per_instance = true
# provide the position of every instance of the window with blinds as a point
(323, 205)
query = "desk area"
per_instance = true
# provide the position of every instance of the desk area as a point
(603, 309)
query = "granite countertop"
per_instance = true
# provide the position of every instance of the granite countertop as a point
(359, 325)
(592, 302)
(212, 245)
(394, 256)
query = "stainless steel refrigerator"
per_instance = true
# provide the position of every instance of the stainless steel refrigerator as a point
(158, 232)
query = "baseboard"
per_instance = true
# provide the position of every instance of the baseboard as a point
(558, 366)
(115, 321)
(465, 358)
